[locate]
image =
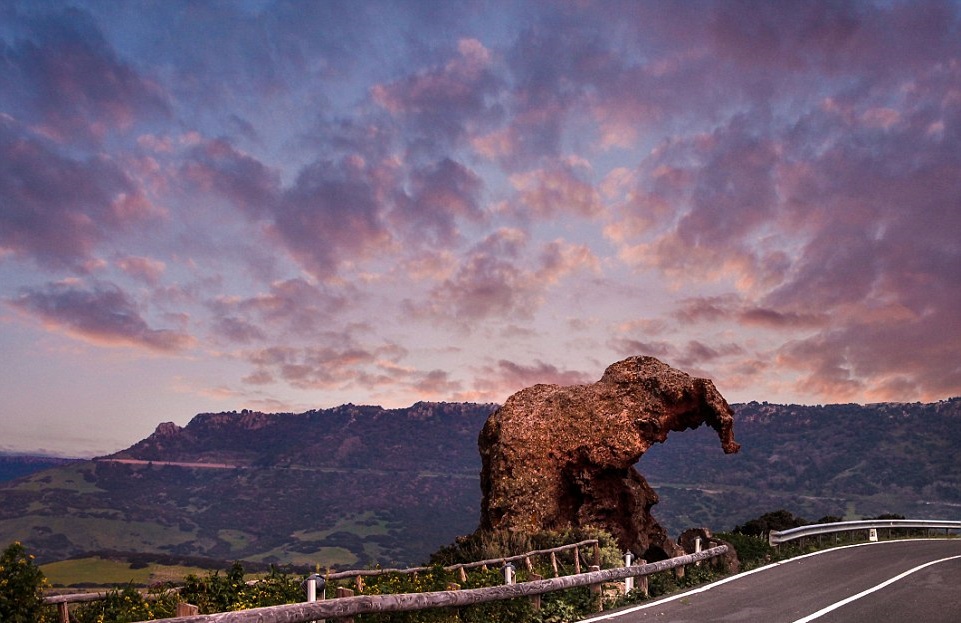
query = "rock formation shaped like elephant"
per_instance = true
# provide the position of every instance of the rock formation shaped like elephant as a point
(556, 457)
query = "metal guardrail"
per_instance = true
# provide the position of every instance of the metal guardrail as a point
(776, 537)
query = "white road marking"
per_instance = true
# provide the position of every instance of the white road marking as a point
(837, 605)
(652, 604)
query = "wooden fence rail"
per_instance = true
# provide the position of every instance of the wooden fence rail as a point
(471, 565)
(62, 601)
(365, 604)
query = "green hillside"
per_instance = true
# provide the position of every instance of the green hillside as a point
(355, 486)
(843, 460)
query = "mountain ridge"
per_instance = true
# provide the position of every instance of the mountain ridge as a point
(357, 485)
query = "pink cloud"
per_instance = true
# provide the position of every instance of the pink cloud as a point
(563, 189)
(55, 209)
(291, 306)
(493, 281)
(497, 382)
(441, 195)
(72, 83)
(143, 268)
(340, 363)
(103, 315)
(831, 212)
(216, 166)
(447, 100)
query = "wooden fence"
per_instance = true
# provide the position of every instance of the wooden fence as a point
(346, 607)
(63, 601)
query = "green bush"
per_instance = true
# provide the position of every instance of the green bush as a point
(229, 590)
(21, 587)
(222, 593)
(126, 605)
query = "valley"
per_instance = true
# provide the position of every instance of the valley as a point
(357, 486)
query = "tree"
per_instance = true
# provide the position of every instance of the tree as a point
(777, 520)
(21, 587)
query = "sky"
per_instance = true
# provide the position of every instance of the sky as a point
(210, 206)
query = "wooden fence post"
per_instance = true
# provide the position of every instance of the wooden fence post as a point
(463, 575)
(185, 610)
(642, 581)
(577, 561)
(597, 554)
(597, 592)
(554, 564)
(63, 612)
(345, 592)
(536, 599)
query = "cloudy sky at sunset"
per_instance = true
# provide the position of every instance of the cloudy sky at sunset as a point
(280, 206)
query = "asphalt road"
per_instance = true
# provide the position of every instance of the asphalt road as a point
(892, 581)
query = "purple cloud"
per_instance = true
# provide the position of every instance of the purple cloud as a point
(103, 315)
(495, 383)
(65, 76)
(55, 209)
(828, 210)
(339, 363)
(289, 307)
(491, 280)
(441, 195)
(448, 102)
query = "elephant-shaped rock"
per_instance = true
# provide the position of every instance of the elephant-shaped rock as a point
(556, 457)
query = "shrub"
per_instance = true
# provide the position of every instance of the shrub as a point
(21, 587)
(230, 591)
(126, 605)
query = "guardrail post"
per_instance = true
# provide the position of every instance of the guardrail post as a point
(628, 582)
(312, 583)
(508, 570)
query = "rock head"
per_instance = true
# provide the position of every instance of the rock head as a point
(557, 457)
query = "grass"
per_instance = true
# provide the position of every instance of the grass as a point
(69, 477)
(323, 557)
(237, 539)
(98, 533)
(361, 524)
(104, 571)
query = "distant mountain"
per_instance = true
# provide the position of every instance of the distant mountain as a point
(352, 485)
(844, 460)
(15, 466)
(358, 485)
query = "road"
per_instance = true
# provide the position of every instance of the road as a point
(891, 581)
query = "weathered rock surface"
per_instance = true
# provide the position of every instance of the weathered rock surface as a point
(556, 457)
